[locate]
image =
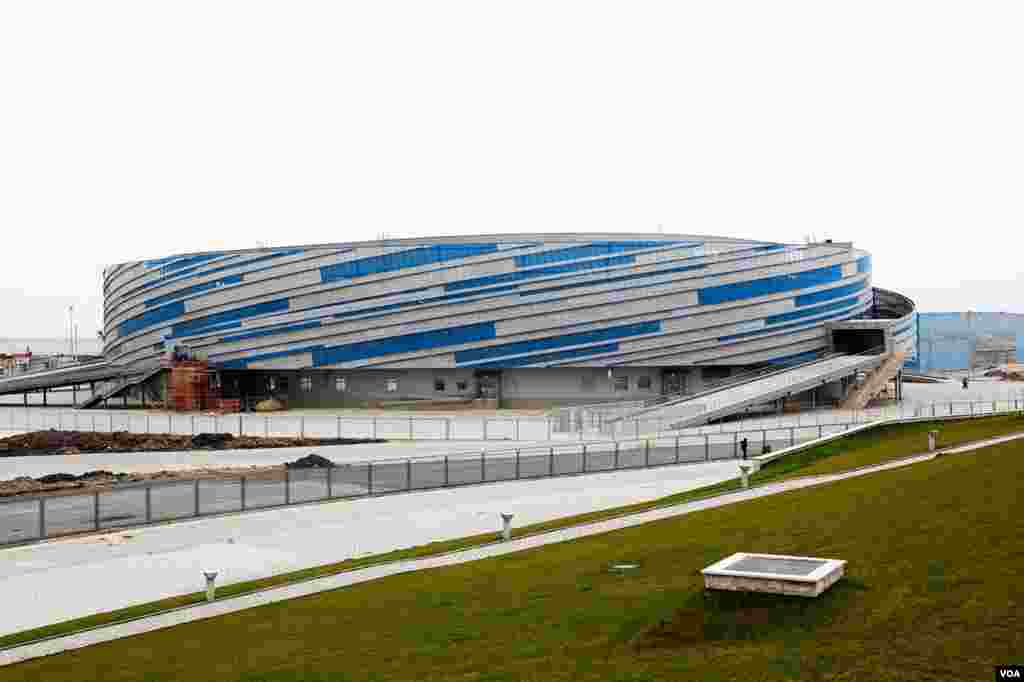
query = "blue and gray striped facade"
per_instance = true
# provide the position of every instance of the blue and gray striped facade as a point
(523, 301)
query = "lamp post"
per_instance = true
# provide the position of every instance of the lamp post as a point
(506, 526)
(211, 577)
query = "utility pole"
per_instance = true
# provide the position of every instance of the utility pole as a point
(70, 329)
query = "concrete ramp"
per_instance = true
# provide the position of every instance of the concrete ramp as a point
(732, 398)
(71, 375)
(118, 387)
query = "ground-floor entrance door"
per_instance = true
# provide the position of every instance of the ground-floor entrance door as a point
(673, 380)
(490, 384)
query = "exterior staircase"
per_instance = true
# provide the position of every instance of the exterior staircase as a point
(877, 379)
(116, 386)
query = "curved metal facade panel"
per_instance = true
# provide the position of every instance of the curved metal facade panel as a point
(525, 300)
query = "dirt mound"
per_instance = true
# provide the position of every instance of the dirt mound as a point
(270, 405)
(57, 478)
(1006, 374)
(217, 441)
(310, 461)
(75, 442)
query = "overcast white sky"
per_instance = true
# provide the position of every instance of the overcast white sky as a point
(139, 129)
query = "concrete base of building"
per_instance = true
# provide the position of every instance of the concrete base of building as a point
(456, 388)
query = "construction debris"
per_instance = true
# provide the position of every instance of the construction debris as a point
(269, 405)
(75, 442)
(1011, 372)
(63, 483)
(310, 461)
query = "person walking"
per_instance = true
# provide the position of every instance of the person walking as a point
(965, 383)
(743, 447)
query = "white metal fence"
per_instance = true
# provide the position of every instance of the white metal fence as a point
(396, 427)
(565, 426)
(594, 425)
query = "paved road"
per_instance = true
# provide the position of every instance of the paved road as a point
(232, 605)
(22, 520)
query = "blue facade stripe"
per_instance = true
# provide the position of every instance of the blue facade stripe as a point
(425, 255)
(478, 292)
(433, 299)
(553, 357)
(202, 323)
(795, 359)
(157, 261)
(195, 270)
(270, 331)
(607, 280)
(790, 326)
(769, 285)
(520, 276)
(533, 345)
(151, 317)
(808, 312)
(587, 251)
(187, 261)
(242, 363)
(829, 294)
(198, 288)
(208, 330)
(864, 264)
(405, 343)
(491, 291)
(375, 309)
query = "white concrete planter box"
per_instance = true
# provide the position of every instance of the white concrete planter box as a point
(774, 574)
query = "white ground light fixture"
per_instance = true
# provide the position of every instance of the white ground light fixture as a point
(774, 574)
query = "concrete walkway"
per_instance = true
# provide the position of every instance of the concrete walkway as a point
(270, 596)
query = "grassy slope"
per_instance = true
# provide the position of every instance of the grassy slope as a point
(887, 443)
(933, 592)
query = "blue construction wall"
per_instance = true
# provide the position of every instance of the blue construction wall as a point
(948, 341)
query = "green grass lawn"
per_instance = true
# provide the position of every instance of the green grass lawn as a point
(873, 447)
(933, 591)
(885, 444)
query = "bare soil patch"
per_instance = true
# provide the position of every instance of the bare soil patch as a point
(55, 442)
(43, 443)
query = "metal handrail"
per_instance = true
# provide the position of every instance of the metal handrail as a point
(733, 379)
(748, 377)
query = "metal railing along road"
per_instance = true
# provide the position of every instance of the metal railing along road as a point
(452, 428)
(32, 518)
(819, 417)
(387, 427)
